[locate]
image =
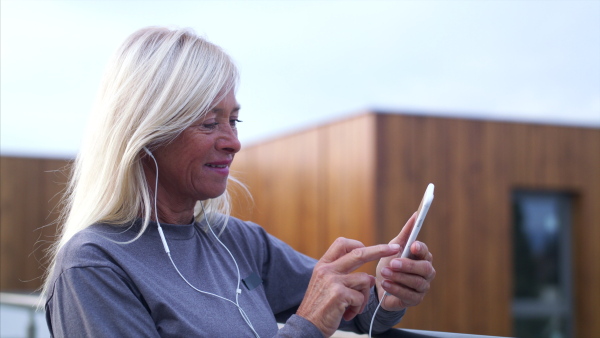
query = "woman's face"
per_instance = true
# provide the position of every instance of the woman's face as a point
(195, 165)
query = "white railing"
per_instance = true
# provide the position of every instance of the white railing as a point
(19, 317)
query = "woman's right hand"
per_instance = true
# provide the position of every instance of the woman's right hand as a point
(335, 291)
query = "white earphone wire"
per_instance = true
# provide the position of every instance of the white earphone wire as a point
(238, 291)
(375, 313)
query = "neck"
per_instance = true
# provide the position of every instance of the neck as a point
(183, 218)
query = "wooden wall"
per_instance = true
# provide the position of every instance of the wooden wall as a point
(28, 196)
(363, 177)
(312, 187)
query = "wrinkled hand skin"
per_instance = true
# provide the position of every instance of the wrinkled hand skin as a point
(407, 280)
(335, 291)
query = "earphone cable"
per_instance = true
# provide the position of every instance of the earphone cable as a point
(375, 313)
(238, 291)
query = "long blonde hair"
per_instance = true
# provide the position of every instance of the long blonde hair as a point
(158, 83)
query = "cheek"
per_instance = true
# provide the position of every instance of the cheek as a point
(187, 154)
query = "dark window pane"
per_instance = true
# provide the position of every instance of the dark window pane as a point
(540, 328)
(542, 284)
(537, 256)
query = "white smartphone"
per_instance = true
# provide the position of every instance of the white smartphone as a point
(421, 213)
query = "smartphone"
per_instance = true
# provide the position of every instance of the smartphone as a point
(421, 213)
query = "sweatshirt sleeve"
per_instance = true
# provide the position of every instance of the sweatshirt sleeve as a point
(384, 320)
(286, 288)
(96, 302)
(286, 274)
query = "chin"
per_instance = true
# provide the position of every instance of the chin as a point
(213, 194)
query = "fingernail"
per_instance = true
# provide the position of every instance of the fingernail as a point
(396, 264)
(418, 246)
(395, 246)
(385, 272)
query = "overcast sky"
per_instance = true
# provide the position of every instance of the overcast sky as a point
(309, 62)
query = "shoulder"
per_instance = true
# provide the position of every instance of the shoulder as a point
(93, 246)
(252, 235)
(90, 250)
(242, 233)
(236, 224)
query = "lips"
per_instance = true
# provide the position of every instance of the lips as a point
(219, 164)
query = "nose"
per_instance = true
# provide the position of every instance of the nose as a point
(228, 140)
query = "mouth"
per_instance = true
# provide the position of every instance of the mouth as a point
(221, 166)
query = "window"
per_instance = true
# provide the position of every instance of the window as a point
(542, 299)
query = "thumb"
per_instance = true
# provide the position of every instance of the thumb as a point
(404, 234)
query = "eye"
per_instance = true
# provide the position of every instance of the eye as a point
(209, 126)
(233, 122)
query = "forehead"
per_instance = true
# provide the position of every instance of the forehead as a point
(228, 105)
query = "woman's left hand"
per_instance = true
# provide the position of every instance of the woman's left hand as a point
(407, 280)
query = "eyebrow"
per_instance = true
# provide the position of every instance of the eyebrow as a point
(219, 110)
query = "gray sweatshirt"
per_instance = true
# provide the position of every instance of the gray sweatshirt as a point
(104, 288)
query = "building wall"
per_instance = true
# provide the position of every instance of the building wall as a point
(29, 193)
(306, 188)
(363, 177)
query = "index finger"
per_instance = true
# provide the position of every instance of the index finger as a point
(339, 248)
(359, 256)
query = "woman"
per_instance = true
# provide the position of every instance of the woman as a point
(147, 247)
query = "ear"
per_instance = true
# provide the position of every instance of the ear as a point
(148, 160)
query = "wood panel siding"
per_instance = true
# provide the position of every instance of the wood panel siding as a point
(311, 187)
(471, 254)
(29, 193)
(476, 165)
(362, 178)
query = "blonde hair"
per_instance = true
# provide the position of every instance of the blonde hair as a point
(159, 82)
